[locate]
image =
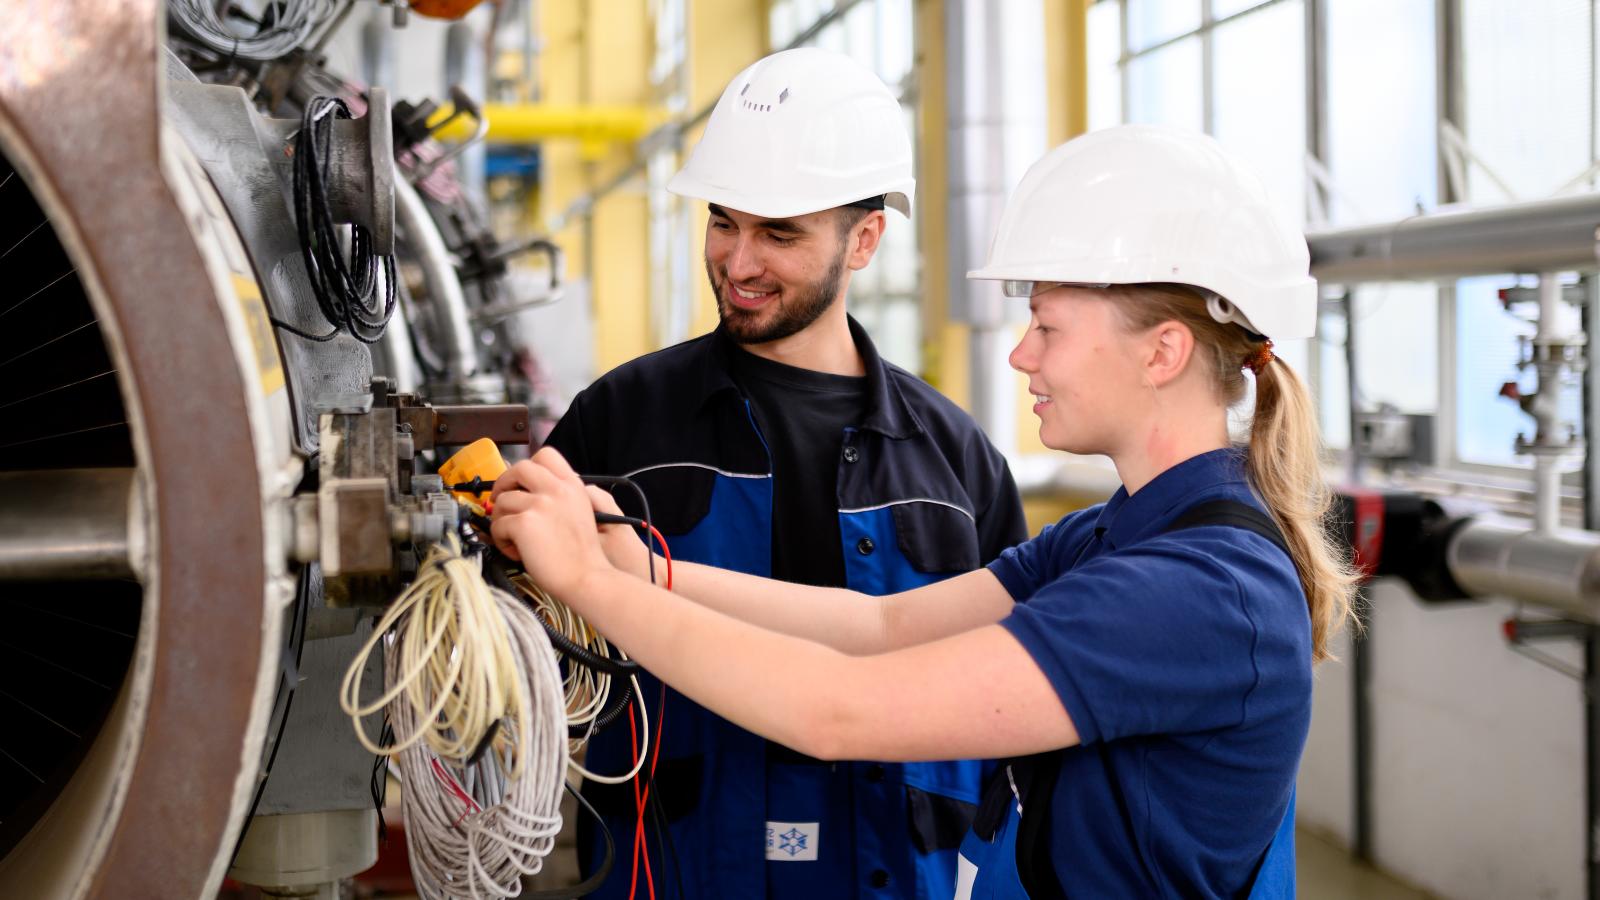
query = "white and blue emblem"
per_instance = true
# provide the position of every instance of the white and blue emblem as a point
(792, 841)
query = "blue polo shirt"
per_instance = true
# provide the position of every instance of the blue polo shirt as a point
(1184, 660)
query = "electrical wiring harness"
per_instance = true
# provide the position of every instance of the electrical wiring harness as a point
(490, 684)
(474, 695)
(284, 26)
(587, 684)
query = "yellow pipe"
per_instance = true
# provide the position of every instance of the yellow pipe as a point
(946, 352)
(530, 123)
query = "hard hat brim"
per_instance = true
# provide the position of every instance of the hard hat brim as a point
(896, 197)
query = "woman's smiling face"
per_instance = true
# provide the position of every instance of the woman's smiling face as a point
(1083, 369)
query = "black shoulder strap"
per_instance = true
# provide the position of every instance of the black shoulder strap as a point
(1035, 780)
(1232, 514)
(1035, 776)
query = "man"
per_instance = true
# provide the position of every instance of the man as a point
(782, 445)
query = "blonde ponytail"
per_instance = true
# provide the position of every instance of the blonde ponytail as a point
(1285, 464)
(1286, 469)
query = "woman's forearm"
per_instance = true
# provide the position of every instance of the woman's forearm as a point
(846, 620)
(975, 694)
(740, 670)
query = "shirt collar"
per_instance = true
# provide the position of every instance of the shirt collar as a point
(1125, 519)
(887, 411)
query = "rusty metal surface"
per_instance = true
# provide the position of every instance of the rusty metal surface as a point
(445, 426)
(79, 82)
(355, 527)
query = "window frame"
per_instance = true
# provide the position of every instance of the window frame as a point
(1450, 105)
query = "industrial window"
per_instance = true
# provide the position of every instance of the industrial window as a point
(886, 296)
(1105, 75)
(1379, 163)
(1356, 134)
(1235, 70)
(1527, 132)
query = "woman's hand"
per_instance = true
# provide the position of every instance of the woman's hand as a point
(625, 545)
(544, 516)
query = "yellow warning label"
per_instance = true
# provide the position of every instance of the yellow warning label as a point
(259, 323)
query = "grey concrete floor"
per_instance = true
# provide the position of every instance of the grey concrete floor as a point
(1326, 871)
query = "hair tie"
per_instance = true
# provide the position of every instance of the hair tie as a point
(1258, 360)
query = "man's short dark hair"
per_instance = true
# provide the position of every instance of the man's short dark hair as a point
(851, 214)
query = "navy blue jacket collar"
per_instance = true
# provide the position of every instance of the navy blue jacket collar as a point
(887, 413)
(1125, 520)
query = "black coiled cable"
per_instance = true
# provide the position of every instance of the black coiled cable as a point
(347, 292)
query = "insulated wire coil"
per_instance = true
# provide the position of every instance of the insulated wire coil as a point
(292, 24)
(474, 694)
(586, 689)
(346, 285)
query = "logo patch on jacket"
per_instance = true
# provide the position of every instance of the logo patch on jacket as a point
(792, 841)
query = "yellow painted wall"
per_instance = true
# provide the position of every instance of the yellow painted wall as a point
(725, 36)
(945, 354)
(598, 52)
(1067, 74)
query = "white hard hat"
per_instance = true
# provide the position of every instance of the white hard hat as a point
(799, 132)
(1142, 203)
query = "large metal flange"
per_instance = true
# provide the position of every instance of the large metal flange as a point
(154, 810)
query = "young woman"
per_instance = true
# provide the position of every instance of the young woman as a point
(1146, 663)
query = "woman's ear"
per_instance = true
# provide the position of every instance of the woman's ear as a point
(1169, 347)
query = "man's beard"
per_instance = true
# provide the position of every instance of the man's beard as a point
(791, 314)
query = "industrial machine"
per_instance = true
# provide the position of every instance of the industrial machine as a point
(244, 307)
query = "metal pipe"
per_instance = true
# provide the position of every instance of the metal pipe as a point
(75, 524)
(399, 356)
(1559, 570)
(1549, 450)
(1540, 236)
(465, 63)
(996, 119)
(377, 49)
(445, 297)
(531, 123)
(1360, 639)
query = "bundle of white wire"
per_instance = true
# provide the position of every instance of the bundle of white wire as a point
(294, 22)
(465, 659)
(587, 690)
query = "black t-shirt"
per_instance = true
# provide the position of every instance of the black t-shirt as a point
(802, 416)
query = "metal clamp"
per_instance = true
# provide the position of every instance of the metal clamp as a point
(461, 104)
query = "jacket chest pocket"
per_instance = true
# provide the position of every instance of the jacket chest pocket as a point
(679, 495)
(935, 537)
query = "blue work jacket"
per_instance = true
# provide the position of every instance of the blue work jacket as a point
(922, 495)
